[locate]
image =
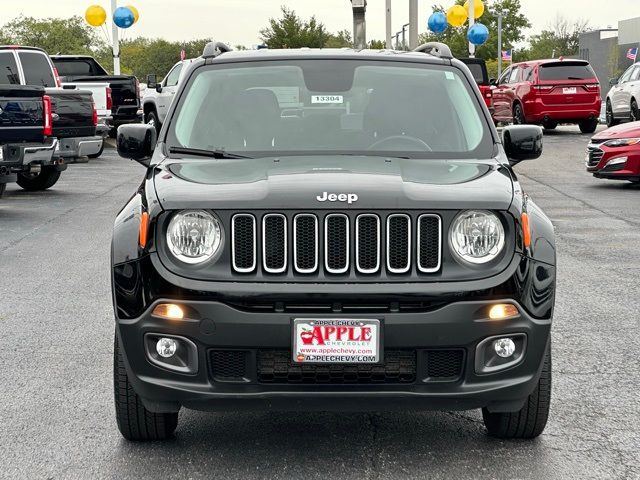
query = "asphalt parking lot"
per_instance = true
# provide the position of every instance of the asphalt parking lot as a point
(56, 401)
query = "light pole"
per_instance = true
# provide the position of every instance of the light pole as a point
(404, 35)
(115, 40)
(472, 19)
(499, 45)
(359, 24)
(413, 24)
(389, 44)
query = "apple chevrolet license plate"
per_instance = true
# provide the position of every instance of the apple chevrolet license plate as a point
(570, 90)
(339, 340)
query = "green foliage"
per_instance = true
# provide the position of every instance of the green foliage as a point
(54, 35)
(377, 44)
(562, 38)
(291, 31)
(513, 24)
(339, 40)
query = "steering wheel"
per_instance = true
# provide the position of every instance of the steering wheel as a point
(402, 138)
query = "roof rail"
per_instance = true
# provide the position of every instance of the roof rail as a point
(213, 49)
(437, 49)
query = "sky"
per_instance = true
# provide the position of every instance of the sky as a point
(239, 21)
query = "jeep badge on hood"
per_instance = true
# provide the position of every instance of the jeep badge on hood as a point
(338, 197)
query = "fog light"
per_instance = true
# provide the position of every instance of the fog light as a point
(504, 347)
(166, 347)
(169, 310)
(502, 311)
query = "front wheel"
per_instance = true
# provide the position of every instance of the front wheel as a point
(135, 422)
(588, 126)
(152, 119)
(34, 182)
(528, 422)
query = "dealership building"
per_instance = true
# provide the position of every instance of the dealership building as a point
(606, 49)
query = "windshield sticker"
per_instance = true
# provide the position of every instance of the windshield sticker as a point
(327, 99)
(449, 75)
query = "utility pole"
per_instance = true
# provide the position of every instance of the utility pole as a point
(472, 20)
(116, 41)
(389, 44)
(404, 35)
(413, 24)
(359, 24)
(499, 45)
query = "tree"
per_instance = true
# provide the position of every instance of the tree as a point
(377, 44)
(54, 35)
(513, 23)
(291, 31)
(562, 38)
(339, 40)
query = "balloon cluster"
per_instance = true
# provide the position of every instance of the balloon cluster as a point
(123, 17)
(456, 16)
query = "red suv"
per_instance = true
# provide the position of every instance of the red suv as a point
(549, 92)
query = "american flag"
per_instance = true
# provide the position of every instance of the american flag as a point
(632, 54)
(507, 55)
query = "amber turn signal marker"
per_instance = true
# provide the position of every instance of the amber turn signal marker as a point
(168, 310)
(526, 230)
(144, 229)
(501, 311)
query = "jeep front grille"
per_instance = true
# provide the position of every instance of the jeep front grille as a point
(336, 243)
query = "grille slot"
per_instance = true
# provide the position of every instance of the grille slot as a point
(228, 365)
(276, 367)
(336, 243)
(367, 243)
(595, 155)
(274, 242)
(243, 242)
(398, 243)
(305, 243)
(429, 243)
(444, 364)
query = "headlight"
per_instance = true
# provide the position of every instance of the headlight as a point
(476, 236)
(622, 142)
(194, 236)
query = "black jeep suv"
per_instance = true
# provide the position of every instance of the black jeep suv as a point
(331, 230)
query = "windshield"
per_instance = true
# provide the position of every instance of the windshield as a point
(331, 106)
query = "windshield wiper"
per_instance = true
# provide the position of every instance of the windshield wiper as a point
(216, 153)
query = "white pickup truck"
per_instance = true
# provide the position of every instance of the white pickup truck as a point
(102, 99)
(158, 96)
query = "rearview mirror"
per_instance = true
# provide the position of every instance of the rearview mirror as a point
(137, 142)
(613, 81)
(152, 81)
(522, 142)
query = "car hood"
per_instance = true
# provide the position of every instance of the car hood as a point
(300, 182)
(626, 130)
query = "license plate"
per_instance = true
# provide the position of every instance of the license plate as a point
(336, 340)
(569, 90)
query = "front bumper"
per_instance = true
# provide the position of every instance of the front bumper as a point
(76, 149)
(215, 325)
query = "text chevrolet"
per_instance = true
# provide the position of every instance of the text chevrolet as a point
(331, 230)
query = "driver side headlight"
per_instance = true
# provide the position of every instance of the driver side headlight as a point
(476, 236)
(194, 236)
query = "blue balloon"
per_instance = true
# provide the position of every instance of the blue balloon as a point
(123, 17)
(478, 34)
(437, 22)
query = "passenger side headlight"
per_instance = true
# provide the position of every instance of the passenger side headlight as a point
(194, 236)
(476, 236)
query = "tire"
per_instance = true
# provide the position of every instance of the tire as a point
(3, 187)
(588, 126)
(47, 178)
(529, 422)
(151, 118)
(611, 121)
(634, 113)
(96, 155)
(135, 422)
(549, 125)
(518, 115)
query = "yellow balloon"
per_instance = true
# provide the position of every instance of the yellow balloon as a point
(95, 15)
(456, 15)
(478, 8)
(136, 15)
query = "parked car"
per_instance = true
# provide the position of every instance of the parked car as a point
(614, 154)
(547, 93)
(125, 94)
(75, 122)
(331, 229)
(27, 144)
(158, 96)
(479, 71)
(622, 99)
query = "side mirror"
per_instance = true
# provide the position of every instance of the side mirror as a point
(613, 81)
(493, 81)
(159, 87)
(137, 142)
(152, 81)
(522, 142)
